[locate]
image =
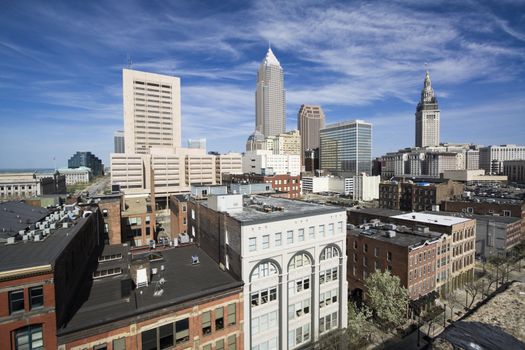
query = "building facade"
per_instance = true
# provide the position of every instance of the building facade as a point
(26, 185)
(268, 163)
(365, 188)
(152, 116)
(76, 175)
(291, 257)
(346, 148)
(514, 170)
(284, 183)
(310, 119)
(118, 142)
(270, 101)
(88, 160)
(491, 158)
(427, 117)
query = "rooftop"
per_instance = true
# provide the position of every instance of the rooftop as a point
(434, 219)
(377, 211)
(30, 252)
(259, 209)
(16, 216)
(135, 206)
(398, 235)
(101, 301)
(502, 219)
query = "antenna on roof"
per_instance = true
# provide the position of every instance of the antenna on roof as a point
(130, 61)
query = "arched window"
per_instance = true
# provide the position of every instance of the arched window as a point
(264, 269)
(299, 260)
(329, 253)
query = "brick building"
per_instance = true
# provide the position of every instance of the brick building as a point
(460, 236)
(41, 267)
(416, 196)
(412, 255)
(185, 301)
(138, 221)
(282, 183)
(179, 214)
(111, 207)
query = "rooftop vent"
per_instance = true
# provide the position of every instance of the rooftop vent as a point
(390, 233)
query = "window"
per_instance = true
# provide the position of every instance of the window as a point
(299, 260)
(182, 331)
(206, 322)
(340, 227)
(252, 244)
(298, 285)
(29, 338)
(264, 322)
(355, 244)
(389, 256)
(278, 239)
(101, 347)
(219, 344)
(16, 301)
(330, 229)
(265, 241)
(232, 342)
(264, 270)
(119, 344)
(298, 309)
(311, 232)
(329, 253)
(36, 297)
(321, 230)
(149, 339)
(365, 248)
(219, 318)
(289, 237)
(166, 336)
(376, 251)
(300, 235)
(206, 347)
(231, 314)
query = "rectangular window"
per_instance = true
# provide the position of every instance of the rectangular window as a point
(330, 229)
(101, 347)
(219, 344)
(289, 237)
(321, 230)
(30, 338)
(149, 339)
(311, 232)
(265, 241)
(16, 301)
(182, 333)
(278, 239)
(206, 347)
(232, 342)
(340, 227)
(300, 235)
(231, 314)
(389, 256)
(252, 244)
(119, 344)
(365, 248)
(206, 322)
(166, 336)
(376, 251)
(219, 318)
(36, 297)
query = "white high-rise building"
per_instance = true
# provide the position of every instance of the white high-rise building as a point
(491, 158)
(270, 100)
(427, 117)
(152, 116)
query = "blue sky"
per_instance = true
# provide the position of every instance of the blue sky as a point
(60, 68)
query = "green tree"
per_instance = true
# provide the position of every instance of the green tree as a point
(387, 299)
(359, 325)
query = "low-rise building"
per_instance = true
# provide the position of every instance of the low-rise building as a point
(138, 221)
(26, 185)
(514, 170)
(473, 177)
(267, 163)
(76, 175)
(290, 185)
(413, 255)
(291, 257)
(365, 188)
(111, 207)
(417, 196)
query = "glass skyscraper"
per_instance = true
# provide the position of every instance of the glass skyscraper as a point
(346, 148)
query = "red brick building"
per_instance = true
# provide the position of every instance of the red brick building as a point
(282, 183)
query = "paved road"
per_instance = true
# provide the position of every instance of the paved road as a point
(98, 187)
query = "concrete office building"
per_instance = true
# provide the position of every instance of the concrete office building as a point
(471, 177)
(87, 159)
(427, 117)
(291, 257)
(270, 101)
(310, 119)
(76, 175)
(491, 158)
(514, 170)
(268, 163)
(118, 141)
(346, 148)
(365, 188)
(152, 111)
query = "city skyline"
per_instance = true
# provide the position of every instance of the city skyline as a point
(60, 90)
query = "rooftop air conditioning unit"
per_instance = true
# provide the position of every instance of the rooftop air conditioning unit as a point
(38, 237)
(10, 240)
(65, 225)
(46, 231)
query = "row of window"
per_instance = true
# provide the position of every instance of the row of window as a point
(376, 252)
(328, 275)
(298, 309)
(264, 296)
(264, 322)
(17, 299)
(291, 237)
(299, 335)
(23, 187)
(328, 297)
(266, 345)
(328, 322)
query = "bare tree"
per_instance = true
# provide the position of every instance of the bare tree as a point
(473, 288)
(452, 298)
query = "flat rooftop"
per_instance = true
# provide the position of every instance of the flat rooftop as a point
(403, 238)
(253, 210)
(435, 219)
(377, 211)
(502, 219)
(100, 301)
(135, 206)
(16, 216)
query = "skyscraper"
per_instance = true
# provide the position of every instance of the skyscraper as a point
(310, 120)
(270, 102)
(151, 111)
(346, 148)
(427, 117)
(119, 142)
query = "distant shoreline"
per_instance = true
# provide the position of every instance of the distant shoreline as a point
(27, 170)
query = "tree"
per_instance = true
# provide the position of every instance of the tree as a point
(358, 330)
(452, 298)
(473, 288)
(387, 299)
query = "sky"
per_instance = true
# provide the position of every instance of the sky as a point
(61, 68)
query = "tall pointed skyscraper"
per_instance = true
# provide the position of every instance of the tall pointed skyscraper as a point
(427, 117)
(270, 101)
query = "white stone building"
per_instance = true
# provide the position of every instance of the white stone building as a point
(76, 175)
(268, 163)
(366, 188)
(291, 256)
(491, 158)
